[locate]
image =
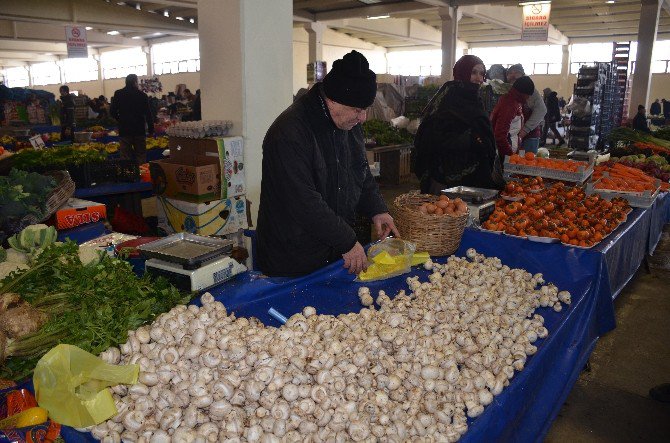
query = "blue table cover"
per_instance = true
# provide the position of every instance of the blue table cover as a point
(528, 406)
(113, 188)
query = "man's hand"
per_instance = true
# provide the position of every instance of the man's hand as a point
(355, 260)
(523, 133)
(384, 225)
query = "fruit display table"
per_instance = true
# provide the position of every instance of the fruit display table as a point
(525, 410)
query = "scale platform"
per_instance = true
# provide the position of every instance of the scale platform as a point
(208, 275)
(191, 262)
(480, 201)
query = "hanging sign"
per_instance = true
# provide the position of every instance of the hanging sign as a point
(535, 25)
(75, 37)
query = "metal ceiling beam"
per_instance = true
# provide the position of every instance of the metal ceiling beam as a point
(175, 3)
(97, 14)
(566, 29)
(27, 56)
(398, 28)
(617, 38)
(438, 3)
(26, 46)
(314, 4)
(25, 31)
(369, 11)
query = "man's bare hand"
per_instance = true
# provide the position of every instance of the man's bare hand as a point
(384, 225)
(355, 260)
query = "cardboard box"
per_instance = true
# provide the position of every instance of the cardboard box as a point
(218, 217)
(229, 151)
(196, 179)
(77, 212)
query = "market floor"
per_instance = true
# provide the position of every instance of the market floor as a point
(610, 402)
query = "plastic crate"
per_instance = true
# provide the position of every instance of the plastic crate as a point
(574, 177)
(89, 175)
(636, 199)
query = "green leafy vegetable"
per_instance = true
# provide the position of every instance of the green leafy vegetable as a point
(385, 134)
(23, 193)
(90, 306)
(58, 157)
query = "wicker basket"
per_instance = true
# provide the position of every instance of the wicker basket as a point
(438, 235)
(62, 192)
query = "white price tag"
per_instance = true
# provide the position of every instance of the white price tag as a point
(37, 142)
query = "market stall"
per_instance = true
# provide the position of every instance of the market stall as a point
(585, 240)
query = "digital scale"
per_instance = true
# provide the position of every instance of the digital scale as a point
(191, 262)
(480, 201)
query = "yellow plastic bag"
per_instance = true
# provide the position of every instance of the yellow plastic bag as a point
(391, 257)
(71, 384)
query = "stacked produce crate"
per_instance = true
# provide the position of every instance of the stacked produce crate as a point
(201, 187)
(591, 84)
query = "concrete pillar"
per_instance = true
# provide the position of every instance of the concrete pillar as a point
(646, 37)
(30, 76)
(564, 83)
(101, 80)
(150, 61)
(315, 32)
(246, 72)
(450, 17)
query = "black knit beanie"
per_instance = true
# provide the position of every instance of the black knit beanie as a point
(351, 82)
(524, 85)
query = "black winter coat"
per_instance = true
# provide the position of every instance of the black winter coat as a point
(553, 109)
(130, 107)
(455, 143)
(67, 110)
(315, 179)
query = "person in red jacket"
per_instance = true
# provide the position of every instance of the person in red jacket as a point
(509, 109)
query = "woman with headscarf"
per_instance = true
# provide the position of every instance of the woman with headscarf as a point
(455, 143)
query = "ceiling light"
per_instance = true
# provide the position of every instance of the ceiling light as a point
(48, 53)
(120, 3)
(113, 33)
(88, 28)
(370, 2)
(137, 37)
(166, 13)
(541, 2)
(180, 18)
(610, 2)
(377, 17)
(157, 34)
(192, 20)
(138, 6)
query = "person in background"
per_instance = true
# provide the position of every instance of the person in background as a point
(197, 107)
(189, 97)
(130, 107)
(553, 116)
(655, 108)
(508, 116)
(103, 106)
(561, 103)
(534, 112)
(66, 113)
(316, 177)
(666, 109)
(455, 143)
(494, 87)
(640, 120)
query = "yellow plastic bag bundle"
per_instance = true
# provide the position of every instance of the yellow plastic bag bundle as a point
(71, 384)
(391, 257)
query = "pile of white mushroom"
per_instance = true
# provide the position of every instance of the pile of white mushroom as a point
(413, 366)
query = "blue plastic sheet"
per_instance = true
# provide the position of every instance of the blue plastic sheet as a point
(660, 214)
(527, 407)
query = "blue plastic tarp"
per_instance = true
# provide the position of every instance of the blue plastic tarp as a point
(527, 407)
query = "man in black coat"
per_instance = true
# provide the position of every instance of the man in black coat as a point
(316, 177)
(66, 113)
(130, 107)
(640, 120)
